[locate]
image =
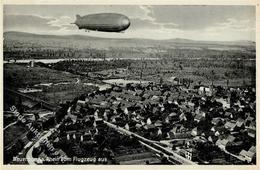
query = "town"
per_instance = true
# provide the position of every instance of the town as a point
(154, 123)
(130, 85)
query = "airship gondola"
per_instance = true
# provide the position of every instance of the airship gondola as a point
(105, 22)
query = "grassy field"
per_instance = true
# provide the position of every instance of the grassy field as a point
(20, 76)
(13, 133)
(237, 72)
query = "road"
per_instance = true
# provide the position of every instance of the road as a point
(167, 151)
(11, 124)
(29, 156)
(168, 142)
(231, 154)
(78, 81)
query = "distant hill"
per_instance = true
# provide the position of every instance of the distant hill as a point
(83, 41)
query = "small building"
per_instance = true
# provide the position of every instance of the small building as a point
(240, 122)
(198, 118)
(174, 80)
(195, 132)
(222, 143)
(230, 126)
(158, 123)
(173, 116)
(191, 154)
(203, 90)
(248, 155)
(216, 121)
(180, 132)
(149, 127)
(183, 117)
(251, 131)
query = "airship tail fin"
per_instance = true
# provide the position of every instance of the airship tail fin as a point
(78, 16)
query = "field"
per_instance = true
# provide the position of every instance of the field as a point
(18, 45)
(13, 133)
(200, 71)
(21, 76)
(64, 86)
(196, 62)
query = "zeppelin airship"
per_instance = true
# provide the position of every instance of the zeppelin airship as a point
(105, 22)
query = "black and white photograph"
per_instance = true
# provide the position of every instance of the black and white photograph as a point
(139, 84)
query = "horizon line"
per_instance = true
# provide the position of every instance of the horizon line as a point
(132, 38)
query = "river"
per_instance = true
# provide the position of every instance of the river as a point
(49, 61)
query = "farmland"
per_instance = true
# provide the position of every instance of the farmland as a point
(56, 85)
(201, 62)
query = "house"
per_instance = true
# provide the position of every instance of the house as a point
(225, 103)
(174, 80)
(252, 149)
(205, 91)
(191, 154)
(199, 139)
(178, 143)
(190, 105)
(251, 131)
(138, 126)
(159, 132)
(179, 131)
(81, 102)
(126, 126)
(228, 115)
(198, 118)
(230, 125)
(230, 138)
(240, 122)
(29, 104)
(222, 143)
(217, 133)
(149, 127)
(182, 135)
(195, 132)
(29, 117)
(158, 123)
(173, 116)
(72, 116)
(182, 117)
(248, 120)
(248, 155)
(167, 120)
(212, 139)
(148, 121)
(216, 121)
(87, 136)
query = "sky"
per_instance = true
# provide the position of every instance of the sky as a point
(211, 23)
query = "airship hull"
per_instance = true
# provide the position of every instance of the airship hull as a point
(106, 22)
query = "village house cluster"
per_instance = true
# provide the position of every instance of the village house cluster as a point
(189, 121)
(207, 125)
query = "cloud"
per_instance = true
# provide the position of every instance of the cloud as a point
(198, 17)
(156, 22)
(138, 23)
(170, 25)
(37, 23)
(27, 22)
(232, 23)
(148, 12)
(60, 21)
